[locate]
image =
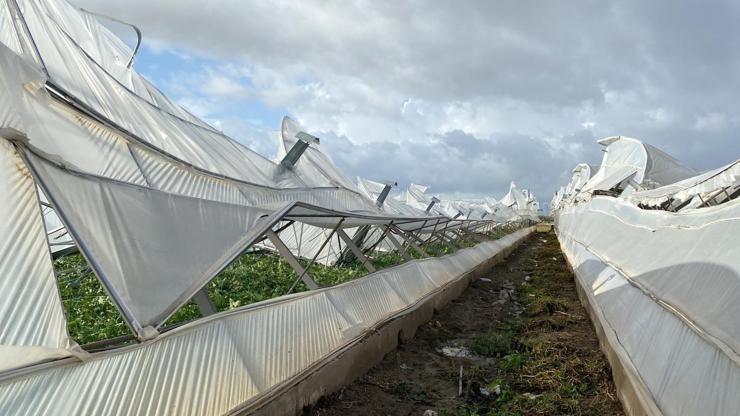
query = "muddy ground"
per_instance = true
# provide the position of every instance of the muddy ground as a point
(521, 337)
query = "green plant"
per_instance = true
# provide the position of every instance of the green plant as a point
(253, 277)
(512, 361)
(492, 343)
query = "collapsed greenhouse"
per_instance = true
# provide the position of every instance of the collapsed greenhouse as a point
(94, 159)
(654, 247)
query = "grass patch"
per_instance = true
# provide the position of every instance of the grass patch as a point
(492, 344)
(547, 361)
(546, 304)
(554, 365)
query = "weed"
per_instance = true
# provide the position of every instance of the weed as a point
(557, 367)
(492, 343)
(512, 362)
(545, 304)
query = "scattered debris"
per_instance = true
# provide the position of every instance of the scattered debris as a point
(455, 351)
(485, 279)
(459, 386)
(430, 412)
(531, 396)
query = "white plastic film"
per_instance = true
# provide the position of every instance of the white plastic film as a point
(33, 328)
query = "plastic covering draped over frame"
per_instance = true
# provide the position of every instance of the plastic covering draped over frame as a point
(663, 283)
(33, 326)
(98, 150)
(8, 35)
(725, 177)
(159, 202)
(75, 70)
(626, 157)
(671, 300)
(213, 365)
(135, 239)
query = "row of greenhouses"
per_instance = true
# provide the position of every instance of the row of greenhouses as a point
(655, 247)
(153, 265)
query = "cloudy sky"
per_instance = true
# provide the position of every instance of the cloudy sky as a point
(461, 96)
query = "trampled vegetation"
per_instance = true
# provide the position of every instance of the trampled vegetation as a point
(253, 277)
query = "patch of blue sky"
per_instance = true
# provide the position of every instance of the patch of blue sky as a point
(166, 67)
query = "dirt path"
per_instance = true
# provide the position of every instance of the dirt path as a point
(523, 341)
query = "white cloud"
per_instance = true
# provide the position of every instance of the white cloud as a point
(220, 85)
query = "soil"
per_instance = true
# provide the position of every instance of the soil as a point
(524, 343)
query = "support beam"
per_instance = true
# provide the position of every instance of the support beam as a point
(377, 243)
(290, 258)
(384, 193)
(443, 237)
(431, 235)
(205, 305)
(460, 235)
(315, 256)
(399, 248)
(431, 204)
(356, 251)
(358, 239)
(415, 237)
(411, 242)
(300, 146)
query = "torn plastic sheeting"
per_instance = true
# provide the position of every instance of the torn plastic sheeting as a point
(371, 190)
(191, 183)
(611, 178)
(723, 177)
(652, 167)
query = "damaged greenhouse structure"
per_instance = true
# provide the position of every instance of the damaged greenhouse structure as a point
(94, 159)
(654, 247)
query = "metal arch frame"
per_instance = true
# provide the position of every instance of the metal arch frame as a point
(383, 235)
(288, 212)
(272, 219)
(364, 260)
(136, 29)
(16, 10)
(316, 255)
